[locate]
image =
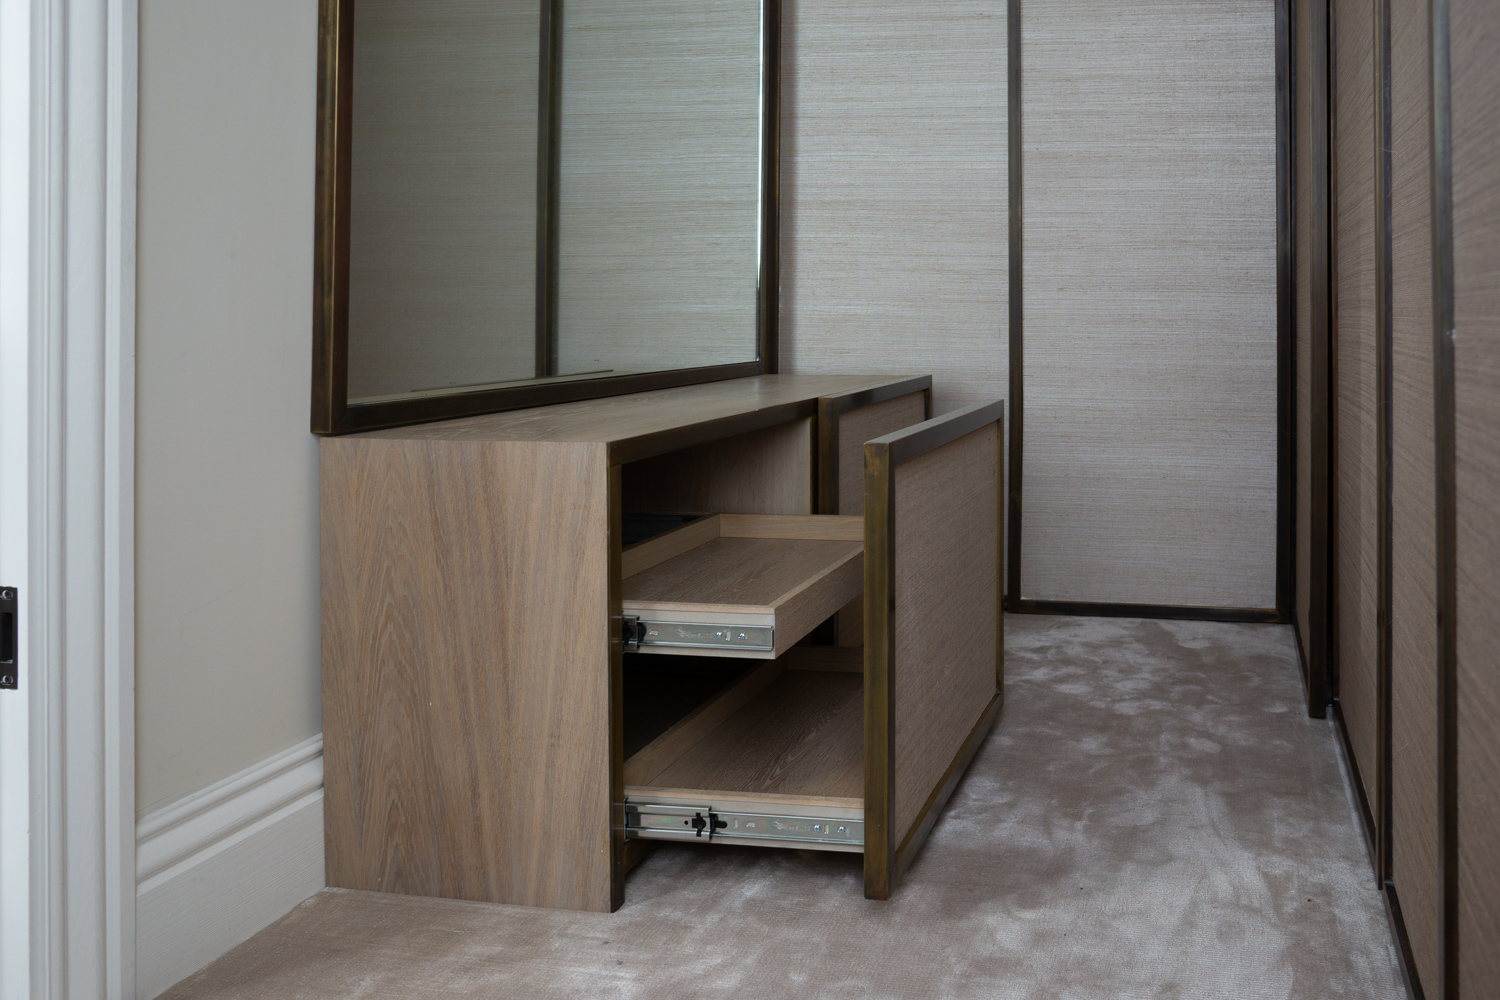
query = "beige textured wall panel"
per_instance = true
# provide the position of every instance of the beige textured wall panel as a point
(442, 195)
(1149, 135)
(226, 475)
(1355, 385)
(894, 192)
(1302, 169)
(1475, 30)
(658, 201)
(1414, 785)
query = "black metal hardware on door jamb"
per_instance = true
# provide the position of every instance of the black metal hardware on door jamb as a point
(10, 639)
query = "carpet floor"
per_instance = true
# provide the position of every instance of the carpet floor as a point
(1153, 816)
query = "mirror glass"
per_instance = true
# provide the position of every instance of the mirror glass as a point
(551, 191)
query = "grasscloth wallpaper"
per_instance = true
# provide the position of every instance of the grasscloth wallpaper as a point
(1149, 324)
(894, 192)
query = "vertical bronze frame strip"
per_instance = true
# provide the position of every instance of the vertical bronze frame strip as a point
(548, 147)
(1384, 365)
(1286, 322)
(1013, 164)
(1320, 357)
(330, 369)
(1445, 441)
(619, 862)
(769, 279)
(880, 652)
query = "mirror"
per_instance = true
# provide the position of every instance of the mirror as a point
(524, 202)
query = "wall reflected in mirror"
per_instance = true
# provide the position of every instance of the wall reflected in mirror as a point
(492, 243)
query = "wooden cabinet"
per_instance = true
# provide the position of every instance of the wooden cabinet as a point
(488, 636)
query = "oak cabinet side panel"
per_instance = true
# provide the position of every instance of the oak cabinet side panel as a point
(946, 575)
(466, 669)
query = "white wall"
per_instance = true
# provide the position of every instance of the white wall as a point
(226, 532)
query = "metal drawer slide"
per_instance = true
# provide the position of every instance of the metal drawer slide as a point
(652, 821)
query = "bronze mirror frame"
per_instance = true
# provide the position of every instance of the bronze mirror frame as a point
(331, 411)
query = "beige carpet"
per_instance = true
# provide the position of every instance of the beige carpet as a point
(1154, 816)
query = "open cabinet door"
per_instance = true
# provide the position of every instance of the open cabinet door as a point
(933, 630)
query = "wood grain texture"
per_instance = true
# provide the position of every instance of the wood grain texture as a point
(1302, 115)
(1475, 35)
(446, 728)
(1150, 306)
(763, 472)
(645, 416)
(831, 526)
(946, 610)
(894, 192)
(655, 551)
(442, 201)
(1355, 392)
(658, 214)
(1416, 826)
(801, 736)
(653, 758)
(798, 581)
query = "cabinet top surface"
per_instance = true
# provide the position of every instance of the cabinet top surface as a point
(613, 420)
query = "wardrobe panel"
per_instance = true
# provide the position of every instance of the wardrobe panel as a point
(1475, 33)
(895, 192)
(1414, 774)
(1355, 383)
(1150, 305)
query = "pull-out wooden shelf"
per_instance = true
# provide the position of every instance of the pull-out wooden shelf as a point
(742, 585)
(777, 760)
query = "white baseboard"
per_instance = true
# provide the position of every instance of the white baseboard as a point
(218, 866)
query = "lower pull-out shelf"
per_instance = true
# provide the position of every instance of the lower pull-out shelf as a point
(776, 759)
(743, 585)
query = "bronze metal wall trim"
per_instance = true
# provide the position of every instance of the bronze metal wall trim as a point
(547, 180)
(768, 287)
(1385, 434)
(1098, 609)
(1286, 319)
(1445, 435)
(1014, 165)
(1320, 375)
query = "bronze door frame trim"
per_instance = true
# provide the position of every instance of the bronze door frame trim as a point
(331, 411)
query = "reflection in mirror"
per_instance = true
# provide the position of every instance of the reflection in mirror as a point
(490, 248)
(659, 196)
(442, 195)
